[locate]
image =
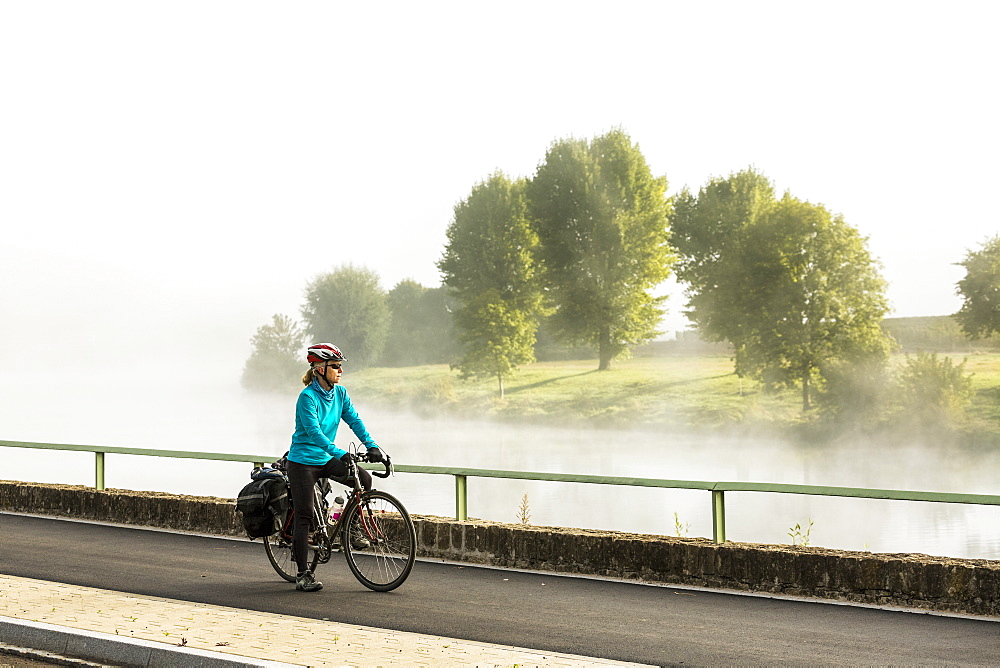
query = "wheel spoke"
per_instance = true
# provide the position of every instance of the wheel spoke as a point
(280, 553)
(383, 559)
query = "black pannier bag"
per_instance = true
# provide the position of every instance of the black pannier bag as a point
(262, 505)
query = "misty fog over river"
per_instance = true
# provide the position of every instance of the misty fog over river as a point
(212, 414)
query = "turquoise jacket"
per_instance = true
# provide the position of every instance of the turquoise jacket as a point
(318, 413)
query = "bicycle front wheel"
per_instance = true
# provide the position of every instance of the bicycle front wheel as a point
(379, 541)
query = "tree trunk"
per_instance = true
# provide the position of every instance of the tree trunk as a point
(500, 380)
(806, 403)
(604, 350)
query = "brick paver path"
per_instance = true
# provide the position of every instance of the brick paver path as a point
(259, 635)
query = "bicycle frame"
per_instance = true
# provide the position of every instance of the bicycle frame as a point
(374, 532)
(371, 531)
(326, 530)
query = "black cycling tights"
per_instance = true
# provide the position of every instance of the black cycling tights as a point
(301, 479)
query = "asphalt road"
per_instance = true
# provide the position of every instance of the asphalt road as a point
(593, 617)
(15, 661)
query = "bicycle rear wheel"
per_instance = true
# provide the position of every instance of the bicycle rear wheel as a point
(380, 542)
(279, 552)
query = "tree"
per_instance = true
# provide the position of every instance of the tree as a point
(277, 358)
(498, 337)
(790, 286)
(422, 327)
(348, 307)
(709, 233)
(813, 294)
(706, 229)
(980, 290)
(489, 266)
(601, 218)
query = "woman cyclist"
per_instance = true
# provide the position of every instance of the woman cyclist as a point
(322, 404)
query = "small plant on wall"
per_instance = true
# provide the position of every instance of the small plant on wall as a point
(524, 510)
(799, 535)
(681, 528)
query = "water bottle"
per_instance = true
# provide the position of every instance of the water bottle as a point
(337, 509)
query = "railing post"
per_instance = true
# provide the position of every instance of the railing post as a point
(718, 516)
(461, 498)
(99, 483)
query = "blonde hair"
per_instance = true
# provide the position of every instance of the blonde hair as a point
(308, 377)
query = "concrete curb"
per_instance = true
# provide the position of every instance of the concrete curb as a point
(116, 650)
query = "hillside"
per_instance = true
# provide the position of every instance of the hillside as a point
(675, 391)
(936, 334)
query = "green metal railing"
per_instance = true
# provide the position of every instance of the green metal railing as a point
(718, 489)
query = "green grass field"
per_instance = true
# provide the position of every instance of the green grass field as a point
(984, 412)
(679, 391)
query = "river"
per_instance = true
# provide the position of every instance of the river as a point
(213, 414)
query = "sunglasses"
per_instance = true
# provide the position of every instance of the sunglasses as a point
(334, 365)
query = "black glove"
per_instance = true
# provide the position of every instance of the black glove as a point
(374, 455)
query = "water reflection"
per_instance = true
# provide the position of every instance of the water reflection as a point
(217, 417)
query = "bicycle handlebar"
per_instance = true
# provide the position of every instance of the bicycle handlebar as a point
(282, 464)
(386, 462)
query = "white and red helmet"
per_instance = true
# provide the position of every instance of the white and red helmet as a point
(324, 352)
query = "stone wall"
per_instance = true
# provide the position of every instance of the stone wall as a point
(203, 514)
(905, 580)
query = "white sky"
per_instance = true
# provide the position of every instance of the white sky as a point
(173, 173)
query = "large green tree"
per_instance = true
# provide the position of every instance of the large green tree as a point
(348, 308)
(793, 288)
(980, 291)
(709, 232)
(812, 294)
(489, 266)
(602, 222)
(422, 327)
(277, 359)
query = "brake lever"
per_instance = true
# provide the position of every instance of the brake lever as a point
(387, 463)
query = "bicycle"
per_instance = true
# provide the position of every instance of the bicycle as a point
(375, 533)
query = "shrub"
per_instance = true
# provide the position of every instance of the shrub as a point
(856, 393)
(934, 391)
